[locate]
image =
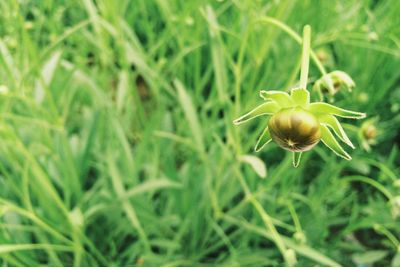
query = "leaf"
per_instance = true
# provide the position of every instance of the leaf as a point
(322, 108)
(217, 53)
(296, 158)
(396, 260)
(369, 257)
(190, 114)
(334, 124)
(300, 97)
(256, 163)
(9, 248)
(122, 90)
(263, 109)
(301, 249)
(263, 140)
(151, 185)
(281, 98)
(329, 140)
(9, 64)
(46, 76)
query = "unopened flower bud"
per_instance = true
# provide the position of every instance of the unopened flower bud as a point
(324, 56)
(300, 237)
(333, 82)
(295, 129)
(368, 133)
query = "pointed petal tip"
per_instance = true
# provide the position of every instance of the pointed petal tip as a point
(349, 143)
(236, 122)
(359, 116)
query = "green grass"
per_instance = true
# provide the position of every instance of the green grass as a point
(117, 146)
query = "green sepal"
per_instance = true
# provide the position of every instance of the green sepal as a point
(325, 108)
(263, 109)
(263, 140)
(334, 124)
(296, 158)
(300, 97)
(283, 99)
(329, 140)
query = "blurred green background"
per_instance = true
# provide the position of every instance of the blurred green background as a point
(117, 146)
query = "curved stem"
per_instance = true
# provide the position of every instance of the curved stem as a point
(305, 57)
(371, 182)
(295, 37)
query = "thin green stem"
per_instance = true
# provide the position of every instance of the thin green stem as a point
(305, 59)
(384, 231)
(371, 182)
(266, 219)
(298, 39)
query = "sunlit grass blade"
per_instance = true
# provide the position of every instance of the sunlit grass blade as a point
(217, 53)
(256, 163)
(151, 186)
(190, 114)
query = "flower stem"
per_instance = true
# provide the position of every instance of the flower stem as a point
(305, 60)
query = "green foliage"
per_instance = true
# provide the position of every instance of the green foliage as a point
(117, 146)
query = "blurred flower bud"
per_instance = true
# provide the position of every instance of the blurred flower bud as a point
(189, 21)
(300, 237)
(333, 82)
(28, 25)
(373, 36)
(395, 203)
(3, 89)
(363, 97)
(324, 56)
(368, 133)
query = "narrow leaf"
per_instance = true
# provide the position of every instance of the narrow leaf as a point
(321, 107)
(151, 185)
(217, 53)
(256, 163)
(369, 257)
(283, 99)
(329, 140)
(12, 248)
(301, 97)
(334, 124)
(263, 109)
(190, 114)
(296, 158)
(46, 74)
(263, 140)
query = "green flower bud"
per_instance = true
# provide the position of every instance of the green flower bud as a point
(295, 129)
(333, 82)
(368, 133)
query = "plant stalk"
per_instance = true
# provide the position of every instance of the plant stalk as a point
(305, 60)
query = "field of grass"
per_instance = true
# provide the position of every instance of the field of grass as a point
(117, 146)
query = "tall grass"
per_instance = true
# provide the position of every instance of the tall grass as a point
(117, 146)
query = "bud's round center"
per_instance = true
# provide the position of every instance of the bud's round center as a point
(295, 129)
